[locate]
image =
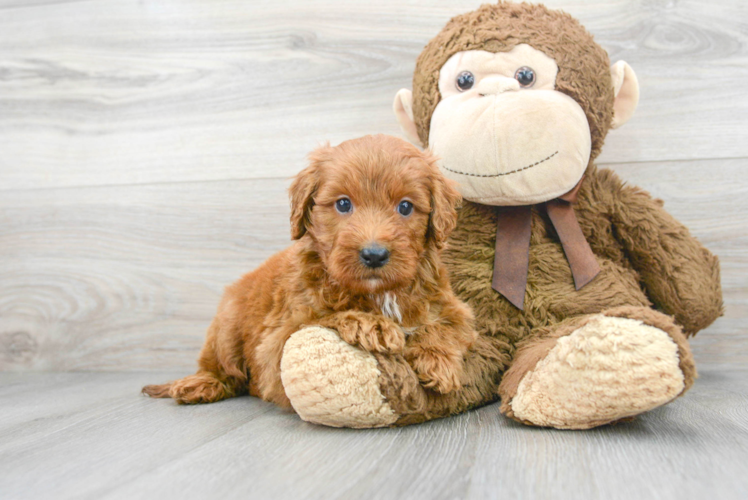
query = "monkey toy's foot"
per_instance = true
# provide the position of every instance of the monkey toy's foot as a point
(597, 370)
(332, 383)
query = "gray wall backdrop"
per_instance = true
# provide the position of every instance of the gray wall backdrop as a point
(146, 148)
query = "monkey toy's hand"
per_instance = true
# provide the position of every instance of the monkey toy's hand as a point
(370, 332)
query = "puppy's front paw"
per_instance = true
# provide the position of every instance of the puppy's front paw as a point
(436, 370)
(371, 333)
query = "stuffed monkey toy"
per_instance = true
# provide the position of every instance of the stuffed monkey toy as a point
(584, 289)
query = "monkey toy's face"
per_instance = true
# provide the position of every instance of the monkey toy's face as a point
(502, 130)
(504, 123)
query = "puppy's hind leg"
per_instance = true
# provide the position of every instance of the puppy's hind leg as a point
(211, 383)
(157, 391)
(202, 387)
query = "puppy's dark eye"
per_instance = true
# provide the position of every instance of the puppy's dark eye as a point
(525, 76)
(465, 81)
(343, 205)
(405, 208)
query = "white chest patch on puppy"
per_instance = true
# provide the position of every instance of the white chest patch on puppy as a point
(388, 305)
(409, 330)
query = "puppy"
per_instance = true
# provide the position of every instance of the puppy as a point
(370, 218)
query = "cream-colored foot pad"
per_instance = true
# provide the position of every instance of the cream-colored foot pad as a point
(606, 370)
(330, 382)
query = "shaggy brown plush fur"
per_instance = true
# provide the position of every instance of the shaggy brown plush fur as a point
(321, 279)
(652, 268)
(640, 258)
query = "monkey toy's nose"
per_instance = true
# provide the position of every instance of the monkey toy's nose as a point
(494, 85)
(374, 256)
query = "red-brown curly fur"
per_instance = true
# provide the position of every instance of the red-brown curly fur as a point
(320, 279)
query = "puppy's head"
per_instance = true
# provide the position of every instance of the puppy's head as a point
(372, 207)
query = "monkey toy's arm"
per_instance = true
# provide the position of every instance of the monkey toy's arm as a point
(680, 276)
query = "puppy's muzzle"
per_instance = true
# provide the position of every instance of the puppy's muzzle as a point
(374, 256)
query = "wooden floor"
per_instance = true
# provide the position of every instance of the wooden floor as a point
(91, 435)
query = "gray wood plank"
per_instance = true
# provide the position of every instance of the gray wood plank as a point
(95, 273)
(127, 446)
(120, 92)
(99, 432)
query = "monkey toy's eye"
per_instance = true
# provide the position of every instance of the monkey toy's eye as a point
(405, 208)
(525, 76)
(465, 81)
(343, 205)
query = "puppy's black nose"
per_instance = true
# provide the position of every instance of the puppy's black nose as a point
(374, 256)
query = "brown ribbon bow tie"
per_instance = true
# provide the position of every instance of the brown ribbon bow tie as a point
(513, 246)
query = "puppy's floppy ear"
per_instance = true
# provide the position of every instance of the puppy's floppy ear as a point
(444, 200)
(302, 191)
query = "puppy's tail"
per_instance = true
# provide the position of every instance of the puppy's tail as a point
(158, 391)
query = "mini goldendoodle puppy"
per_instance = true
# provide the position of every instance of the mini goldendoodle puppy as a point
(370, 218)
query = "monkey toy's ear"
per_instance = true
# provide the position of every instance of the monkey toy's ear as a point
(403, 108)
(302, 192)
(626, 91)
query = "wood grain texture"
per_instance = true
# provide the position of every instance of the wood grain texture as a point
(145, 149)
(120, 91)
(91, 435)
(127, 277)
